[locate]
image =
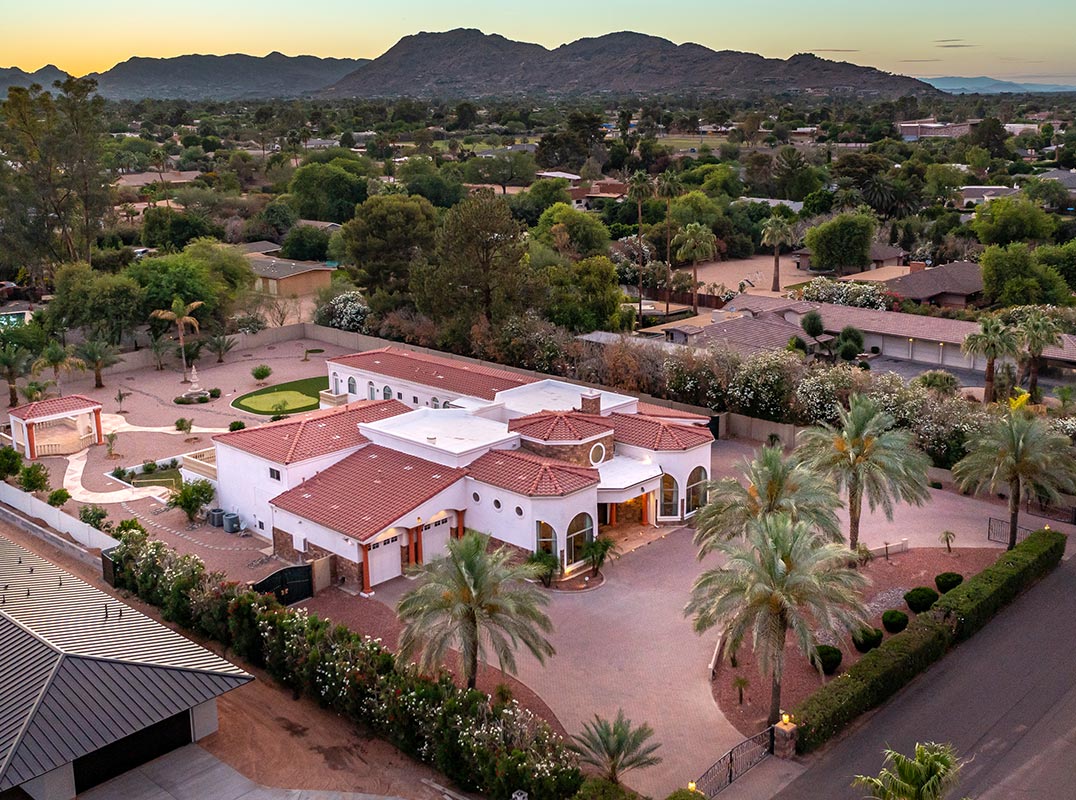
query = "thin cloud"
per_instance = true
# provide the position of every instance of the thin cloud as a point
(834, 50)
(947, 40)
(919, 60)
(956, 46)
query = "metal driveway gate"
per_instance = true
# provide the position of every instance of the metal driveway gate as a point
(736, 762)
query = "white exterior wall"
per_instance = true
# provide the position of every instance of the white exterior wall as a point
(508, 526)
(414, 395)
(678, 463)
(303, 531)
(244, 485)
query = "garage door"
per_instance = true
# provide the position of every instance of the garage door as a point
(435, 540)
(385, 560)
(131, 751)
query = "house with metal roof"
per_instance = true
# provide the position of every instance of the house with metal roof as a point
(90, 687)
(412, 449)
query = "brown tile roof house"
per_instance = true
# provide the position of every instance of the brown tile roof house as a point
(139, 179)
(531, 475)
(948, 284)
(259, 248)
(881, 255)
(652, 410)
(748, 335)
(656, 434)
(367, 491)
(982, 194)
(318, 433)
(279, 268)
(456, 376)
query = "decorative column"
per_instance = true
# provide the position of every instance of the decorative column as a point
(784, 737)
(459, 523)
(418, 545)
(31, 444)
(646, 508)
(412, 539)
(365, 569)
(97, 424)
(612, 513)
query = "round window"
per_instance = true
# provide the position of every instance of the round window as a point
(519, 511)
(497, 504)
(475, 497)
(597, 453)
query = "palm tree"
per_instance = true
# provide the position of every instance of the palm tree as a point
(180, 314)
(773, 484)
(668, 188)
(781, 578)
(474, 600)
(1022, 453)
(865, 455)
(993, 340)
(99, 355)
(35, 390)
(220, 345)
(159, 159)
(931, 774)
(776, 233)
(695, 243)
(1037, 331)
(14, 363)
(57, 357)
(640, 189)
(615, 747)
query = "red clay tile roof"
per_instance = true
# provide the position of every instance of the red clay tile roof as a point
(531, 475)
(656, 434)
(453, 375)
(559, 426)
(70, 404)
(311, 435)
(652, 410)
(366, 492)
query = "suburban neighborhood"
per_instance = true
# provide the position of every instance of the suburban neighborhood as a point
(606, 420)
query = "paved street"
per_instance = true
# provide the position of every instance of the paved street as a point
(1005, 699)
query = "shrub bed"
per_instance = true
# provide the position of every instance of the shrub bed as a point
(484, 745)
(920, 599)
(881, 673)
(948, 581)
(867, 639)
(894, 621)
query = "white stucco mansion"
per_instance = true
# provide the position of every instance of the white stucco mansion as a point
(410, 449)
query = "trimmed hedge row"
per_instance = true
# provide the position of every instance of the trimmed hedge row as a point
(883, 672)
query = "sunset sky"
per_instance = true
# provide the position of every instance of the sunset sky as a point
(1027, 41)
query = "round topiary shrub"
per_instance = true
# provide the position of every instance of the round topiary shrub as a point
(829, 657)
(203, 399)
(947, 581)
(867, 639)
(601, 789)
(920, 599)
(182, 401)
(236, 425)
(149, 467)
(894, 621)
(214, 393)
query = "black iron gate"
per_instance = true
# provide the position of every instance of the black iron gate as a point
(289, 585)
(997, 530)
(1045, 509)
(736, 762)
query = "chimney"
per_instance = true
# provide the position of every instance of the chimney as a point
(916, 266)
(591, 402)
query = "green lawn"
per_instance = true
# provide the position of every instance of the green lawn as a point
(169, 478)
(297, 396)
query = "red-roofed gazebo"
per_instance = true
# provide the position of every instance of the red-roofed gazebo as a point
(57, 426)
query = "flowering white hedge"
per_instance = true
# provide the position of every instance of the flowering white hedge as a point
(847, 293)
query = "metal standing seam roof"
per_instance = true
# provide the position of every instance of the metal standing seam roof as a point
(73, 680)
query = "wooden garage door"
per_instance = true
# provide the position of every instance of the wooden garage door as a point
(131, 751)
(385, 560)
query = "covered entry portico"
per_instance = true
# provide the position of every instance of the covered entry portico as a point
(627, 494)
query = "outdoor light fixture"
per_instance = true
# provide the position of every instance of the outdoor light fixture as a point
(691, 786)
(786, 719)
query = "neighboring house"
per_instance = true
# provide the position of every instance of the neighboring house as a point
(331, 227)
(259, 248)
(538, 464)
(571, 177)
(930, 128)
(881, 255)
(278, 276)
(773, 202)
(975, 195)
(90, 687)
(908, 337)
(1065, 177)
(171, 177)
(952, 285)
(744, 335)
(586, 197)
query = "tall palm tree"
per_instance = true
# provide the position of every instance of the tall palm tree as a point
(615, 747)
(695, 243)
(782, 578)
(932, 774)
(14, 363)
(99, 355)
(776, 233)
(1037, 331)
(994, 340)
(159, 159)
(773, 484)
(640, 189)
(668, 189)
(865, 455)
(475, 601)
(1022, 453)
(180, 314)
(57, 357)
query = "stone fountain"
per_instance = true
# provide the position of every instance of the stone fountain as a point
(195, 391)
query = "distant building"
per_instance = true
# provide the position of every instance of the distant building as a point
(284, 278)
(930, 128)
(975, 195)
(881, 255)
(952, 285)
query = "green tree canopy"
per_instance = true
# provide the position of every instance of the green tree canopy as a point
(327, 192)
(529, 205)
(1012, 276)
(585, 295)
(841, 243)
(1011, 219)
(586, 234)
(306, 243)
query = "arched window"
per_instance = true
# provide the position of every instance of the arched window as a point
(670, 497)
(387, 393)
(696, 489)
(371, 391)
(546, 538)
(336, 383)
(434, 403)
(352, 387)
(580, 531)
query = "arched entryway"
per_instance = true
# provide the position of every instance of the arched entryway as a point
(696, 490)
(580, 533)
(669, 501)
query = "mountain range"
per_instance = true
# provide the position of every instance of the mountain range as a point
(469, 63)
(985, 85)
